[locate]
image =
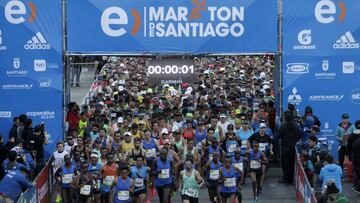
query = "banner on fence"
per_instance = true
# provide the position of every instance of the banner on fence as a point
(182, 26)
(31, 73)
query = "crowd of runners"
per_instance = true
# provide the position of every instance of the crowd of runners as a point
(134, 138)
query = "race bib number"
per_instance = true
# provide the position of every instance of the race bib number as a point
(214, 174)
(67, 178)
(190, 192)
(139, 182)
(150, 153)
(210, 157)
(244, 144)
(199, 145)
(109, 180)
(85, 190)
(262, 146)
(254, 164)
(165, 173)
(230, 182)
(232, 148)
(239, 166)
(123, 195)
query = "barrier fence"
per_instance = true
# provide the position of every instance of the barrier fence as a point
(43, 187)
(304, 192)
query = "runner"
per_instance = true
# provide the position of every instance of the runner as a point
(189, 183)
(230, 142)
(163, 170)
(139, 174)
(83, 184)
(151, 147)
(94, 168)
(200, 135)
(211, 169)
(109, 173)
(239, 162)
(64, 176)
(228, 179)
(122, 188)
(257, 161)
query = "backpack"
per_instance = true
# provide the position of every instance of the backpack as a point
(337, 198)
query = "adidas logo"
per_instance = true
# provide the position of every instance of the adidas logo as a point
(37, 42)
(346, 41)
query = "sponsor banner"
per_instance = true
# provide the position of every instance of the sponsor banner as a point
(29, 196)
(321, 28)
(31, 71)
(182, 26)
(42, 185)
(304, 191)
(324, 83)
(171, 71)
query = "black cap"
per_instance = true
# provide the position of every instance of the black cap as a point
(345, 116)
(357, 124)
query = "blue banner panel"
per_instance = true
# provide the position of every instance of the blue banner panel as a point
(325, 83)
(169, 26)
(322, 28)
(31, 72)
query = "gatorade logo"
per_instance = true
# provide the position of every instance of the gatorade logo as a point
(16, 12)
(326, 10)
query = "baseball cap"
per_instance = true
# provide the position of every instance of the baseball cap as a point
(237, 111)
(142, 122)
(167, 141)
(189, 115)
(166, 85)
(222, 115)
(345, 116)
(164, 131)
(262, 125)
(120, 120)
(127, 134)
(94, 154)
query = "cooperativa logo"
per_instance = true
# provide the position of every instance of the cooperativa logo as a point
(346, 41)
(178, 21)
(16, 12)
(42, 114)
(326, 10)
(37, 42)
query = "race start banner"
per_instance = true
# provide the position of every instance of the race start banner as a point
(169, 26)
(321, 59)
(31, 71)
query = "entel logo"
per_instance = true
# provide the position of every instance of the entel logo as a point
(15, 11)
(326, 9)
(121, 19)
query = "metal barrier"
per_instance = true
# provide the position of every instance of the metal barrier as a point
(43, 186)
(304, 192)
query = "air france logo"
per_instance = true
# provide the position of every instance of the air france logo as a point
(176, 21)
(16, 12)
(326, 10)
